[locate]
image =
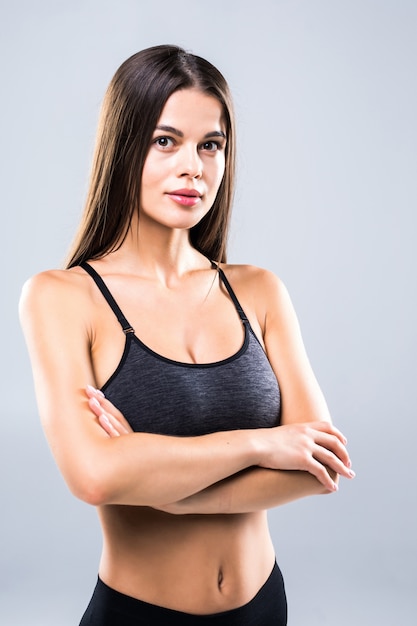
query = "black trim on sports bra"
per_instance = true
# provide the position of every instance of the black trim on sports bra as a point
(127, 328)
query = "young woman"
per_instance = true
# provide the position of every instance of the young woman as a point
(210, 413)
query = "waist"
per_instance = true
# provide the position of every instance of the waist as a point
(268, 606)
(190, 563)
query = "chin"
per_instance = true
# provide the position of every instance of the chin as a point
(186, 222)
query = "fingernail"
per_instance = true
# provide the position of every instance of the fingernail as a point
(352, 474)
(95, 402)
(335, 487)
(96, 392)
(105, 419)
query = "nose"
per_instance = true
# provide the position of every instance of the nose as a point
(189, 162)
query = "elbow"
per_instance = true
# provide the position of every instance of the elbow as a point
(89, 486)
(90, 491)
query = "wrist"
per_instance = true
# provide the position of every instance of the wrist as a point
(257, 447)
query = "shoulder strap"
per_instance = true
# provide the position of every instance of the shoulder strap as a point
(127, 328)
(232, 294)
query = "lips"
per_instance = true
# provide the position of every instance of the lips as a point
(186, 197)
(185, 192)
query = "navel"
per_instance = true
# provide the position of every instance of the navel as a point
(220, 579)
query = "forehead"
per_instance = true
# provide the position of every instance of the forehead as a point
(193, 110)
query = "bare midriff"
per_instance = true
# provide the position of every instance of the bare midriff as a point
(197, 564)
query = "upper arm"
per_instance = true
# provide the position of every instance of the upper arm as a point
(59, 319)
(53, 313)
(302, 399)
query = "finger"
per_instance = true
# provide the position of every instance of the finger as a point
(107, 425)
(108, 419)
(330, 429)
(93, 392)
(108, 407)
(99, 406)
(319, 471)
(327, 458)
(333, 444)
(95, 406)
(117, 425)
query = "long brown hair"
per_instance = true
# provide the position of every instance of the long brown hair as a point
(131, 108)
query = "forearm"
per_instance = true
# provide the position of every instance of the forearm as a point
(146, 469)
(152, 470)
(251, 490)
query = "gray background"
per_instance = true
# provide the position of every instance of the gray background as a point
(326, 104)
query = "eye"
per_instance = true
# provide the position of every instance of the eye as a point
(164, 142)
(210, 146)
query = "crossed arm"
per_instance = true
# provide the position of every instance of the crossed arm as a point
(238, 471)
(310, 447)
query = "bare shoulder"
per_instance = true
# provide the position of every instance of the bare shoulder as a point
(62, 292)
(259, 286)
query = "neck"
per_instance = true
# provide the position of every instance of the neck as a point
(158, 252)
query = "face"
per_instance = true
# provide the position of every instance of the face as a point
(186, 160)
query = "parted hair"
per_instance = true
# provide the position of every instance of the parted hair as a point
(131, 108)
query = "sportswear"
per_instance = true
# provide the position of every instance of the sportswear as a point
(109, 607)
(163, 396)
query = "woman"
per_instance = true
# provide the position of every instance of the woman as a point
(193, 439)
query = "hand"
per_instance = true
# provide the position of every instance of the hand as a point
(315, 447)
(110, 419)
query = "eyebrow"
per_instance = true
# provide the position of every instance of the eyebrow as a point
(179, 133)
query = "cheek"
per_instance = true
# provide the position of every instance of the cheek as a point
(220, 173)
(151, 172)
(147, 176)
(215, 185)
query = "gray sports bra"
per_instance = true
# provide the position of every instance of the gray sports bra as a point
(163, 396)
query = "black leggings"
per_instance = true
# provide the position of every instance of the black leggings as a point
(111, 608)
